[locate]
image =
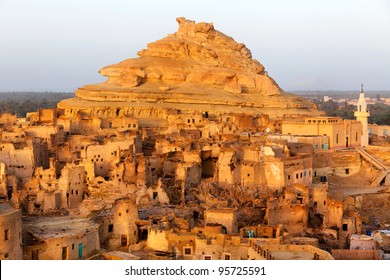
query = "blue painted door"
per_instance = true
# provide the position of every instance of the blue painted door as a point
(80, 250)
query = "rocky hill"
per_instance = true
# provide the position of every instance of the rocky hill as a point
(197, 68)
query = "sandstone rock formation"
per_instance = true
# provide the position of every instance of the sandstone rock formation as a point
(196, 54)
(195, 66)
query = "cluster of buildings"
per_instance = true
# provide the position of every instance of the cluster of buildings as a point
(190, 151)
(198, 186)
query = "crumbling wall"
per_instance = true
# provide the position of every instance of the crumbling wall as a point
(73, 184)
(318, 198)
(10, 233)
(125, 231)
(19, 162)
(342, 254)
(158, 240)
(224, 217)
(293, 217)
(333, 217)
(274, 172)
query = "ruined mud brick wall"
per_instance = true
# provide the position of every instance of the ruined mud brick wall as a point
(333, 217)
(7, 120)
(293, 217)
(3, 182)
(106, 155)
(73, 184)
(158, 239)
(224, 217)
(318, 198)
(19, 162)
(352, 224)
(48, 133)
(124, 231)
(341, 254)
(10, 233)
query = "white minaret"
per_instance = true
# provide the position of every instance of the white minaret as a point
(362, 115)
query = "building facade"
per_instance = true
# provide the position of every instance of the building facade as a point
(341, 133)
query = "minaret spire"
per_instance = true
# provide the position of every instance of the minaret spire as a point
(362, 114)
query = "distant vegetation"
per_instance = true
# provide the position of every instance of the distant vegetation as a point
(380, 113)
(337, 94)
(19, 103)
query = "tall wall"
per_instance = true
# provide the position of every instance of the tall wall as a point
(10, 233)
(19, 162)
(73, 184)
(224, 217)
(125, 230)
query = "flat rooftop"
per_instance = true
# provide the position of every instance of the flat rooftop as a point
(57, 227)
(6, 208)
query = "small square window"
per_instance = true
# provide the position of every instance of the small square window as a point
(188, 251)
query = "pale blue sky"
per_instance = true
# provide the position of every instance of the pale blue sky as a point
(59, 45)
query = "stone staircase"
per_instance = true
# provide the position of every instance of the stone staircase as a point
(377, 163)
(377, 181)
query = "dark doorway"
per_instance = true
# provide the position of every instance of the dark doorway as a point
(143, 234)
(346, 142)
(34, 255)
(196, 214)
(208, 168)
(64, 253)
(123, 240)
(274, 231)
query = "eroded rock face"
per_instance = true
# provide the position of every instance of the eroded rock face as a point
(197, 54)
(190, 70)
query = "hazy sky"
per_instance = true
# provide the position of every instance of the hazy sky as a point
(59, 45)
